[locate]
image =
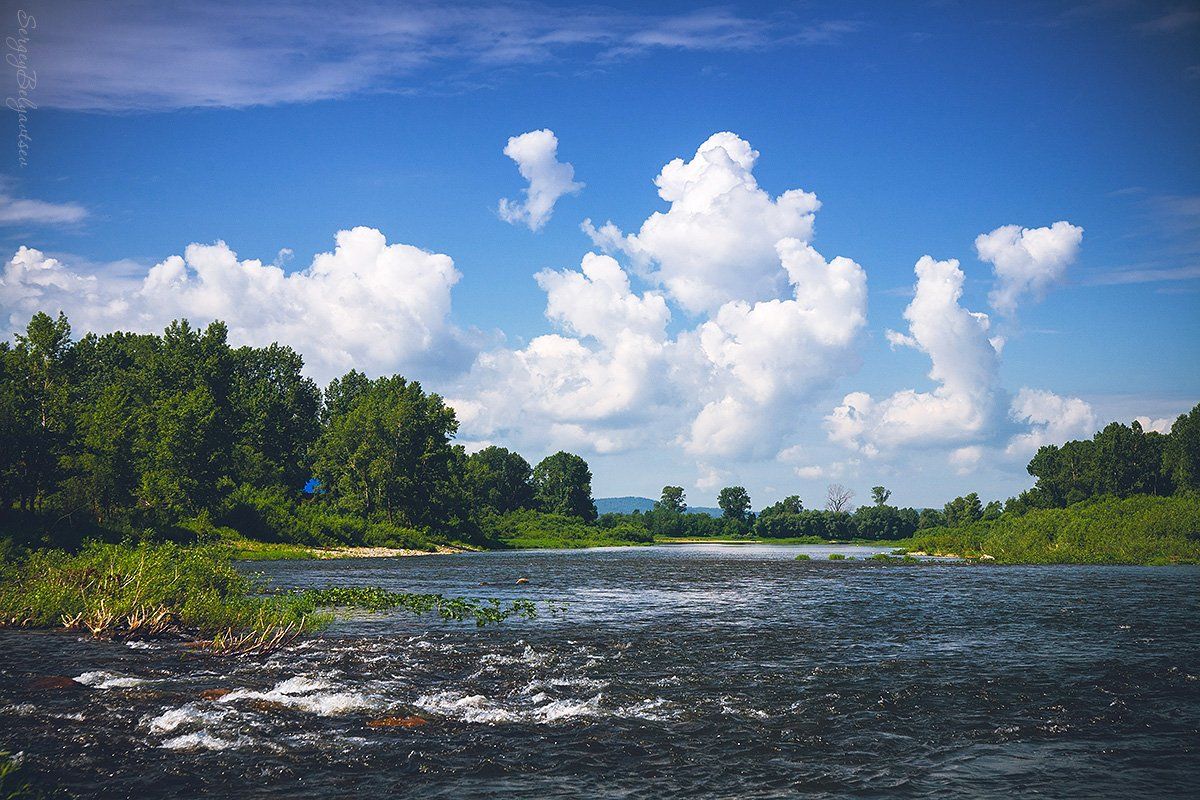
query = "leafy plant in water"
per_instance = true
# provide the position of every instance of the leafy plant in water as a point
(456, 609)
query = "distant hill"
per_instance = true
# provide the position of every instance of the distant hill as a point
(627, 505)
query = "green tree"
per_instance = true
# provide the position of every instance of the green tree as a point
(181, 453)
(500, 479)
(276, 409)
(880, 495)
(992, 510)
(673, 500)
(563, 485)
(963, 510)
(884, 522)
(41, 423)
(1181, 452)
(387, 452)
(735, 503)
(930, 518)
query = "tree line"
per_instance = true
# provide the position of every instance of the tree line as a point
(1120, 461)
(152, 434)
(137, 432)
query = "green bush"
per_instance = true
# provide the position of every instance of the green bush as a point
(1133, 530)
(113, 586)
(528, 529)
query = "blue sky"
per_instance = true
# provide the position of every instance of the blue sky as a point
(917, 126)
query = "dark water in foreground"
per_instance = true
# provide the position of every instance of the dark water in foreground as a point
(676, 672)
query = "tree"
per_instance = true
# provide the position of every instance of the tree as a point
(964, 510)
(930, 518)
(673, 500)
(41, 427)
(500, 479)
(388, 452)
(838, 498)
(1181, 452)
(885, 522)
(735, 503)
(880, 495)
(278, 408)
(562, 484)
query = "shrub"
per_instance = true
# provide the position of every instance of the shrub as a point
(1133, 530)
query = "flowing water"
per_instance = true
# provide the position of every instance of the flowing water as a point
(674, 671)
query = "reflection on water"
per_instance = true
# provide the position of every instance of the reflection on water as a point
(721, 671)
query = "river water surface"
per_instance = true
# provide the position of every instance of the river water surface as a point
(674, 671)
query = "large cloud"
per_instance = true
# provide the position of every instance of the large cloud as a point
(536, 154)
(765, 356)
(1052, 420)
(368, 304)
(968, 410)
(1027, 260)
(964, 363)
(716, 242)
(779, 324)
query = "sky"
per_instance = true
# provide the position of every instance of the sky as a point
(777, 245)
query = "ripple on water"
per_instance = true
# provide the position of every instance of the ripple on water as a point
(676, 673)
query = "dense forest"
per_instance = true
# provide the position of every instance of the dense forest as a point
(183, 437)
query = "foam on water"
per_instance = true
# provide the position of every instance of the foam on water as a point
(203, 740)
(185, 715)
(307, 694)
(101, 679)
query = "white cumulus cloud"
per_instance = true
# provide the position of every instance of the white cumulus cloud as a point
(1026, 261)
(717, 240)
(536, 154)
(615, 376)
(368, 304)
(964, 364)
(1052, 420)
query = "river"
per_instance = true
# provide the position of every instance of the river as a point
(667, 671)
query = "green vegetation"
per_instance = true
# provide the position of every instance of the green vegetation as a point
(180, 437)
(183, 438)
(837, 557)
(533, 529)
(147, 590)
(152, 590)
(804, 557)
(450, 608)
(1132, 530)
(15, 781)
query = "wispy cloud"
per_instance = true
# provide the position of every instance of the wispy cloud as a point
(25, 211)
(136, 55)
(1174, 21)
(1145, 275)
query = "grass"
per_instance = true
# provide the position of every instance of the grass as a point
(15, 781)
(249, 550)
(153, 590)
(449, 608)
(531, 529)
(1134, 530)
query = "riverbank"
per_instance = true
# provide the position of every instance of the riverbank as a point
(196, 594)
(1140, 530)
(250, 550)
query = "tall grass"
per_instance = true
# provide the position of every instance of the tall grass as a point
(1134, 530)
(146, 590)
(534, 529)
(149, 590)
